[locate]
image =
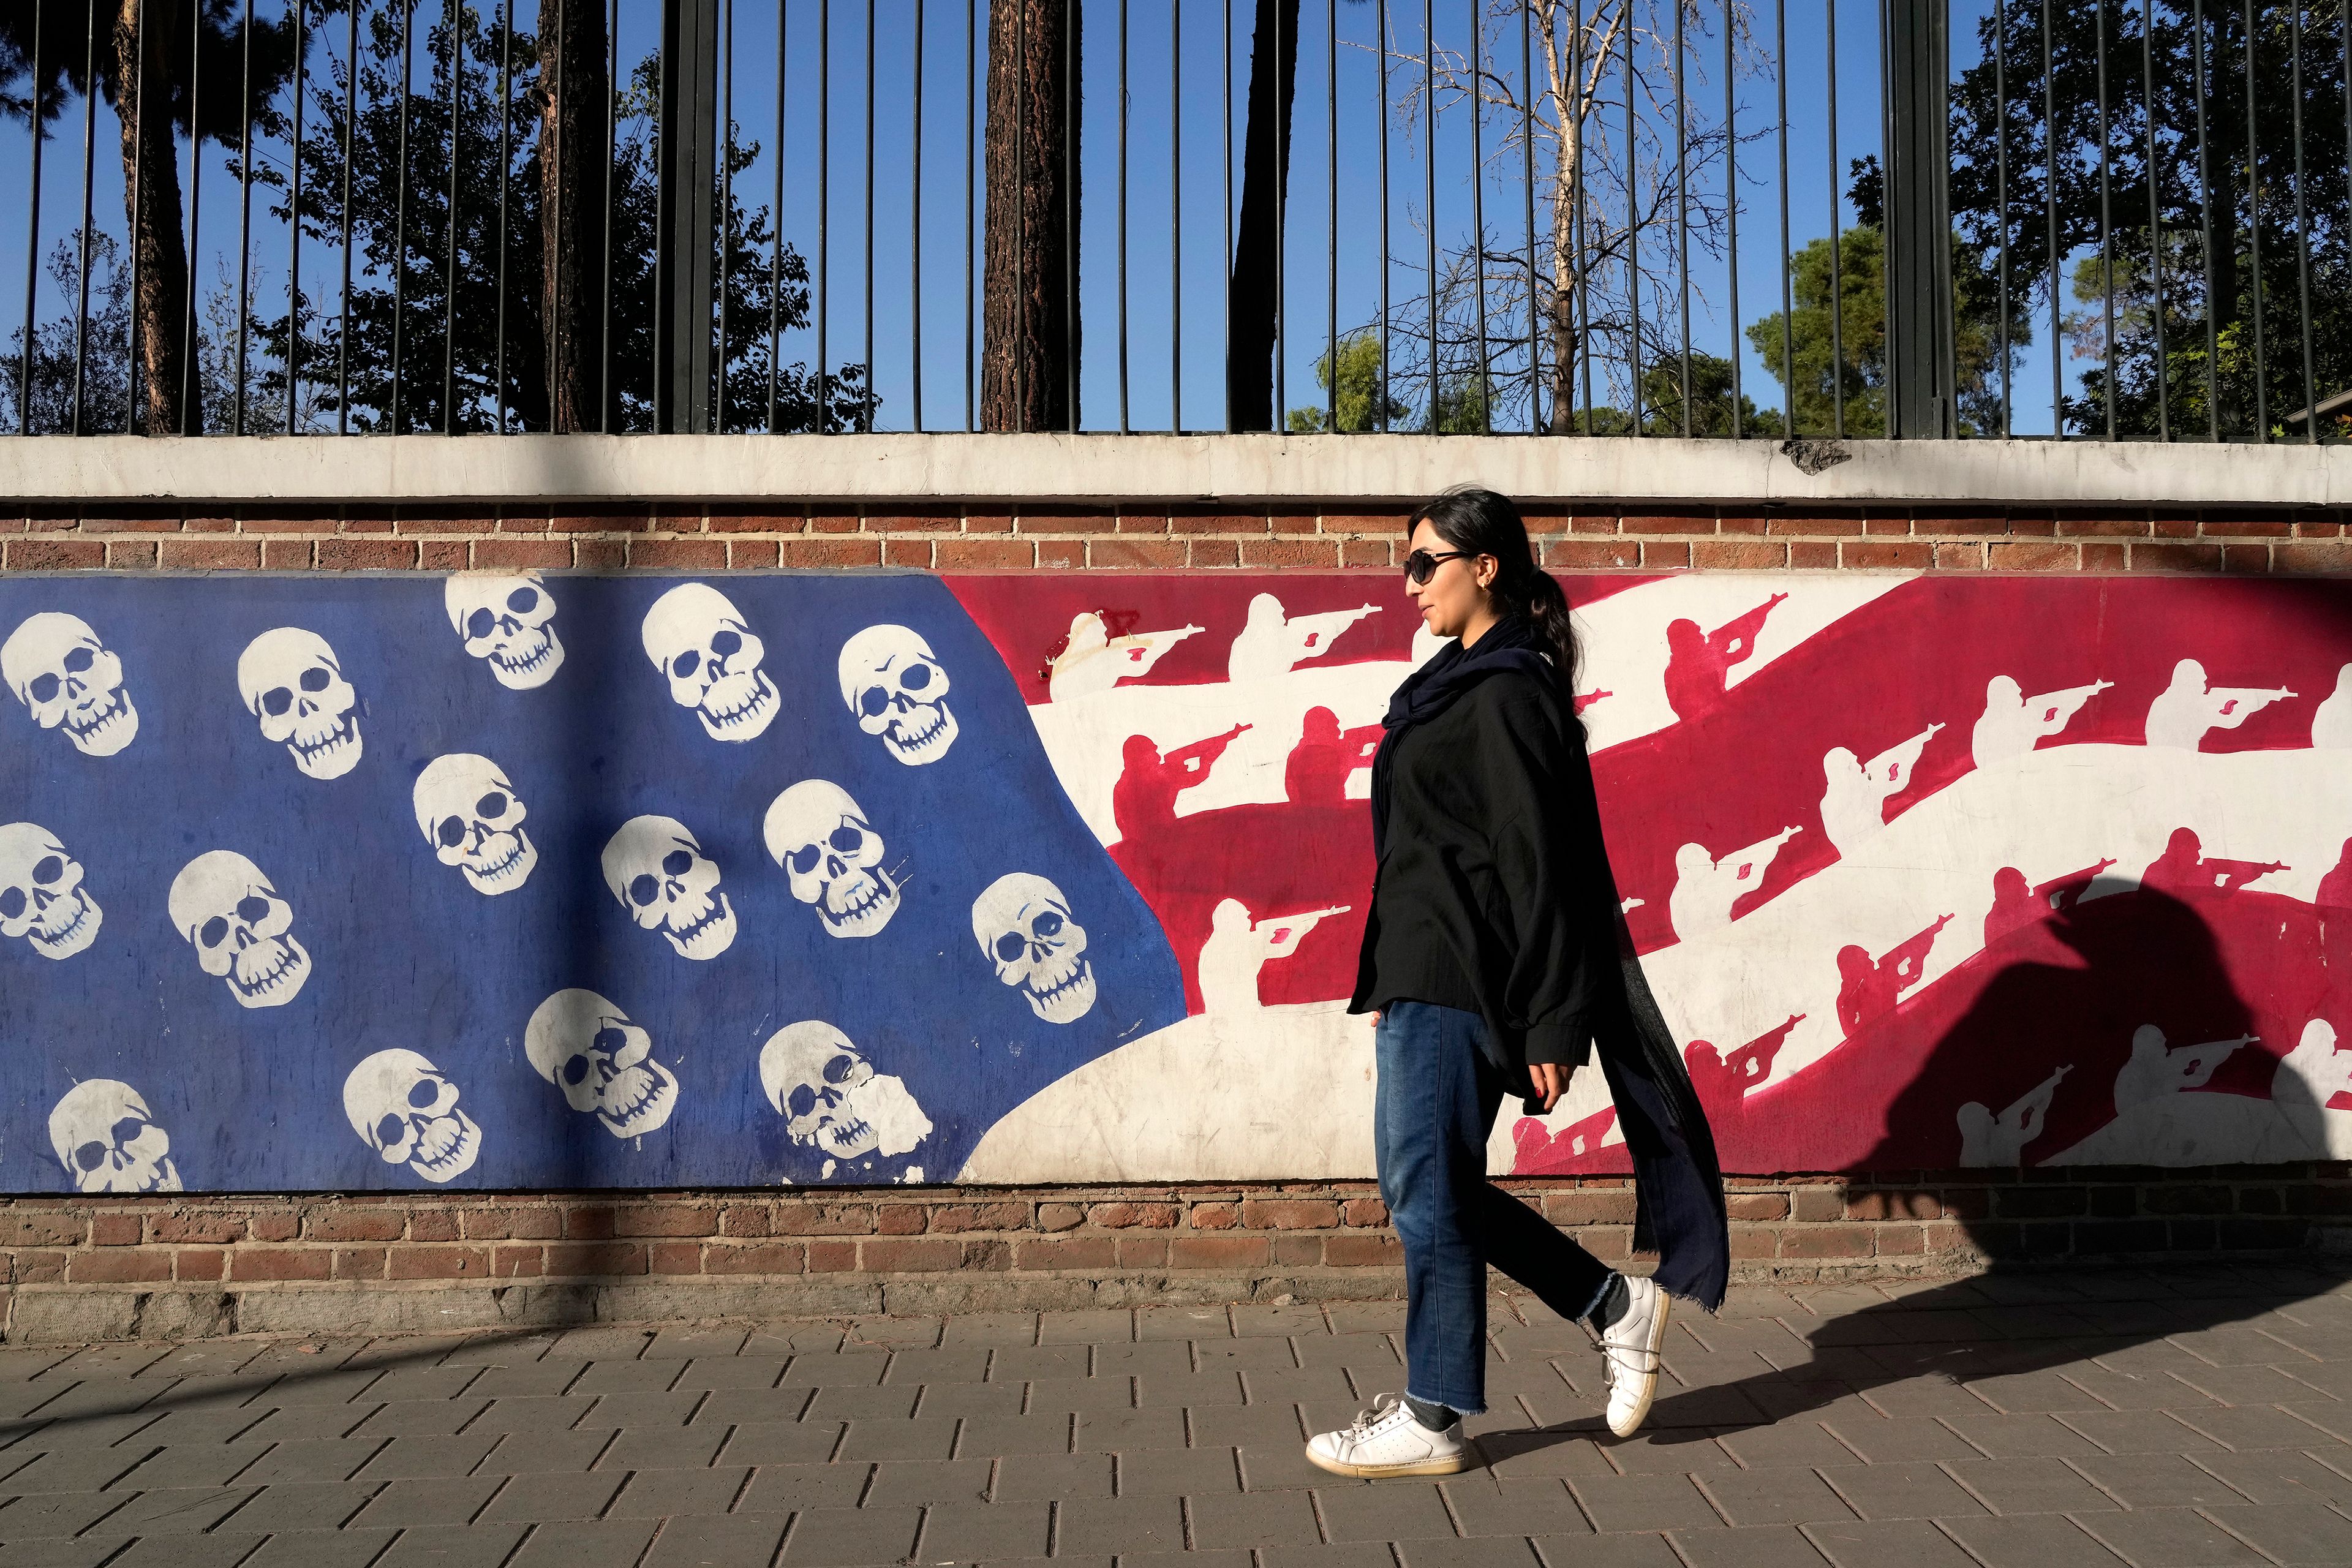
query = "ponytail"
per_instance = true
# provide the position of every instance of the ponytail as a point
(1484, 523)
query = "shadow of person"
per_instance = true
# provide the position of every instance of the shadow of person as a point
(2124, 1136)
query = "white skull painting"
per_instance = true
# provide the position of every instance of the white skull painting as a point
(1024, 926)
(669, 885)
(292, 682)
(898, 691)
(242, 930)
(108, 1143)
(471, 817)
(832, 1099)
(406, 1110)
(603, 1063)
(43, 900)
(833, 855)
(67, 679)
(505, 619)
(700, 642)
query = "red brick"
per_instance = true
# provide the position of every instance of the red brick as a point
(676, 1257)
(1810, 555)
(54, 554)
(440, 1262)
(824, 1219)
(914, 553)
(280, 1263)
(124, 1267)
(2104, 557)
(834, 522)
(2245, 558)
(1817, 1204)
(1640, 522)
(1740, 522)
(113, 1228)
(899, 1219)
(1878, 555)
(273, 1225)
(2110, 524)
(1366, 552)
(1066, 1252)
(1363, 1211)
(1881, 1203)
(769, 1258)
(285, 554)
(1959, 555)
(355, 1225)
(130, 554)
(1058, 519)
(1826, 1241)
(1207, 552)
(1665, 553)
(1589, 1208)
(432, 1225)
(156, 522)
(2038, 556)
(1757, 1206)
(1143, 1251)
(901, 1255)
(1052, 1217)
(831, 1256)
(1217, 1252)
(1368, 1250)
(518, 1262)
(1142, 523)
(361, 1262)
(533, 1223)
(2176, 558)
(1590, 555)
(952, 1217)
(600, 554)
(37, 1268)
(2313, 556)
(366, 554)
(523, 555)
(1131, 1216)
(1738, 554)
(1289, 1214)
(586, 1222)
(530, 521)
(289, 523)
(443, 521)
(665, 1219)
(1061, 554)
(746, 1219)
(198, 1263)
(210, 1229)
(1900, 1240)
(2247, 528)
(752, 553)
(984, 555)
(209, 555)
(1886, 527)
(834, 551)
(1215, 1216)
(35, 1228)
(756, 522)
(1391, 524)
(1814, 527)
(443, 554)
(1290, 555)
(990, 1253)
(946, 520)
(2174, 527)
(1136, 552)
(1218, 522)
(370, 525)
(1752, 1241)
(615, 521)
(680, 554)
(596, 1258)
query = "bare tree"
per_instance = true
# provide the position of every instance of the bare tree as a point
(1626, 172)
(1029, 352)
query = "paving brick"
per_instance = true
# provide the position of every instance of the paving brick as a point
(1120, 1525)
(422, 1418)
(1892, 1543)
(2156, 1480)
(526, 1454)
(1399, 1511)
(304, 1505)
(589, 1544)
(2031, 1541)
(662, 1448)
(1173, 1472)
(320, 1549)
(1484, 1505)
(1645, 1503)
(224, 1550)
(1256, 1519)
(956, 1531)
(922, 1481)
(453, 1500)
(781, 1443)
(701, 1542)
(330, 1459)
(2295, 1534)
(850, 1538)
(1764, 1546)
(55, 1515)
(2168, 1538)
(453, 1546)
(788, 1489)
(1607, 1551)
(421, 1458)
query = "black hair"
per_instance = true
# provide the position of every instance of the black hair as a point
(1482, 522)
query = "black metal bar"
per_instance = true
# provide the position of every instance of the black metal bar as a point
(350, 137)
(32, 231)
(1225, 292)
(971, 141)
(1527, 172)
(606, 405)
(400, 221)
(2205, 248)
(2000, 188)
(454, 16)
(138, 203)
(1021, 181)
(1837, 241)
(865, 412)
(1281, 246)
(2050, 226)
(823, 205)
(687, 241)
(1914, 121)
(1731, 204)
(551, 154)
(89, 179)
(726, 198)
(1682, 206)
(1633, 231)
(1429, 168)
(1123, 427)
(1788, 298)
(1068, 71)
(914, 221)
(2155, 216)
(1478, 206)
(506, 158)
(1176, 216)
(191, 419)
(1332, 215)
(2254, 229)
(1380, 20)
(2106, 222)
(293, 228)
(776, 237)
(2303, 231)
(244, 209)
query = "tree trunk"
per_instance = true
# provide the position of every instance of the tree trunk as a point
(1257, 245)
(150, 191)
(574, 128)
(1029, 310)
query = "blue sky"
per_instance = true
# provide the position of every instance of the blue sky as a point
(1168, 138)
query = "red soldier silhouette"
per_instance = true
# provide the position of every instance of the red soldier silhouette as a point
(2183, 871)
(2016, 905)
(1868, 987)
(2336, 888)
(1316, 773)
(1722, 1081)
(1697, 662)
(1145, 796)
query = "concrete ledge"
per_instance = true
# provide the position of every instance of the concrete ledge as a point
(376, 470)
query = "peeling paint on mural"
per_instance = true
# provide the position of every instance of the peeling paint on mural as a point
(515, 881)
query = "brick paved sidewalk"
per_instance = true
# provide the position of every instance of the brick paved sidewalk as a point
(2162, 1419)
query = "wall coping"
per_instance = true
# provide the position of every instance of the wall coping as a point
(1090, 467)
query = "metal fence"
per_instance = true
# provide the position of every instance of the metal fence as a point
(2111, 220)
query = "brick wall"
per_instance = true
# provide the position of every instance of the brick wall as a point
(81, 1268)
(1162, 536)
(77, 1268)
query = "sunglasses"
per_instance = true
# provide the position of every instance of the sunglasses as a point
(1421, 565)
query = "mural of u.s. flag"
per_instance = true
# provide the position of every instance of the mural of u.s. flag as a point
(513, 881)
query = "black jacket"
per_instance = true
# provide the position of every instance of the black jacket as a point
(1493, 894)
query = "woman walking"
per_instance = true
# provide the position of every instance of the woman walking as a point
(1494, 960)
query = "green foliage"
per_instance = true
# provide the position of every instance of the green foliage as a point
(1357, 399)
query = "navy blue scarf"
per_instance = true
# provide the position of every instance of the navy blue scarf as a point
(1511, 643)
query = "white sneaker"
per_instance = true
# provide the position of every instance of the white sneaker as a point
(1390, 1440)
(1630, 1349)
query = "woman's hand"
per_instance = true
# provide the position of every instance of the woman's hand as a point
(1551, 1082)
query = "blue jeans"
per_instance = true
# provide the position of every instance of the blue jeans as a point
(1434, 1108)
